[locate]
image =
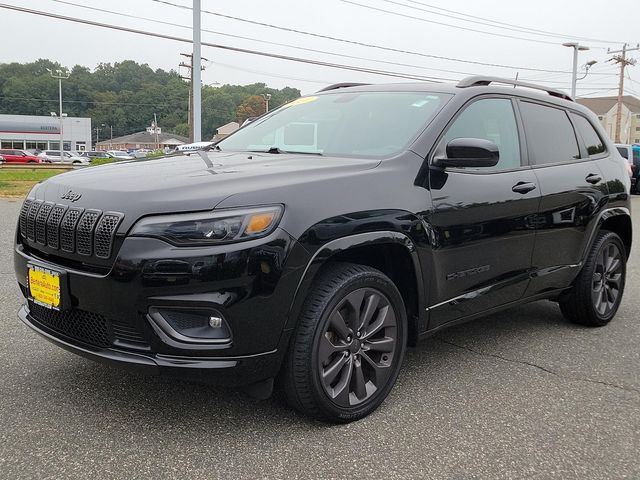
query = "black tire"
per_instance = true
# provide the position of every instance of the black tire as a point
(306, 377)
(597, 292)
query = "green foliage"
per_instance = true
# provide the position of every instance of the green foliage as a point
(126, 95)
(101, 161)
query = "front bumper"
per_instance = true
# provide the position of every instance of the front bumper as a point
(229, 371)
(251, 283)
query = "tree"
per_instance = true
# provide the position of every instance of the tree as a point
(252, 106)
(126, 94)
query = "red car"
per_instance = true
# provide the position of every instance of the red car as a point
(19, 156)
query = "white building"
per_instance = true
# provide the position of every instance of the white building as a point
(30, 132)
(607, 109)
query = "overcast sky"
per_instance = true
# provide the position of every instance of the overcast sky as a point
(28, 37)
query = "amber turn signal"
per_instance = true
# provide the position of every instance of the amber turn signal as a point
(259, 222)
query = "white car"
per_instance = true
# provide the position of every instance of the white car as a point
(53, 156)
(120, 155)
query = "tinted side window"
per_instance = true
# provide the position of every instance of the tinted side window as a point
(490, 119)
(550, 135)
(592, 140)
(624, 152)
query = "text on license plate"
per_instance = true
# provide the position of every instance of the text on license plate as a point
(44, 286)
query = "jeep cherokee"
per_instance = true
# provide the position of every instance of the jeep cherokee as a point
(317, 242)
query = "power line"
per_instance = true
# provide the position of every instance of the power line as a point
(459, 27)
(325, 52)
(2, 97)
(361, 44)
(269, 74)
(226, 47)
(495, 23)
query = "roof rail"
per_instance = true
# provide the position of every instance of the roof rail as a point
(479, 80)
(336, 86)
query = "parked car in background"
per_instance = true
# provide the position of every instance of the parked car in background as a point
(93, 154)
(53, 156)
(140, 153)
(635, 169)
(1, 159)
(120, 155)
(626, 151)
(19, 156)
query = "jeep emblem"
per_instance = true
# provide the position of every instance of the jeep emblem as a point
(71, 196)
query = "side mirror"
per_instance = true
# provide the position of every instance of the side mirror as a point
(469, 152)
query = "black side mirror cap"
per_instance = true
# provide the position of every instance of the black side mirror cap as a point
(469, 152)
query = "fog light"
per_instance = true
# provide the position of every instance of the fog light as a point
(192, 324)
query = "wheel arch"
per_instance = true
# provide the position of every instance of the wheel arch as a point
(617, 220)
(393, 253)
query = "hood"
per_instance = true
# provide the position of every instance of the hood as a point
(187, 182)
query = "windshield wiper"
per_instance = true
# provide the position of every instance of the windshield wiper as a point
(213, 146)
(278, 150)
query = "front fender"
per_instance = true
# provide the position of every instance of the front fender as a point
(334, 247)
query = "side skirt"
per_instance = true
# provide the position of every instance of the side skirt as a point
(552, 294)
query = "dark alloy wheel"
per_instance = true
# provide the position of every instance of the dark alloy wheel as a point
(607, 277)
(357, 347)
(348, 345)
(597, 291)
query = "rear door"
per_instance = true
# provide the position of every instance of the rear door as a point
(573, 191)
(483, 219)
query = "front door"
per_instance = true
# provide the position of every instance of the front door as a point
(483, 219)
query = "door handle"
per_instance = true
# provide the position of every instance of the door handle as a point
(593, 178)
(523, 187)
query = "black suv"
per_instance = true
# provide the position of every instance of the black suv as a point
(317, 242)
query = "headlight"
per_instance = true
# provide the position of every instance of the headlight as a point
(211, 228)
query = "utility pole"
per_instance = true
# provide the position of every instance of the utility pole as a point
(574, 76)
(624, 62)
(60, 74)
(155, 129)
(195, 74)
(190, 79)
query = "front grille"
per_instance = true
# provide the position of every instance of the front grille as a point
(69, 229)
(89, 328)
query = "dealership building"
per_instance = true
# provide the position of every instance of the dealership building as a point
(30, 132)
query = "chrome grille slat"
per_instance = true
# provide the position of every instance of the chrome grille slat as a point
(69, 229)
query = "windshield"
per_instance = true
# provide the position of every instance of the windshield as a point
(340, 124)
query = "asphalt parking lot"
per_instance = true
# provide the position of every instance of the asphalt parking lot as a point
(521, 394)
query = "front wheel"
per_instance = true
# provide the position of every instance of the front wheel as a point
(348, 346)
(597, 292)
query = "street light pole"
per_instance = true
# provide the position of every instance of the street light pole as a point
(574, 77)
(196, 85)
(60, 75)
(267, 97)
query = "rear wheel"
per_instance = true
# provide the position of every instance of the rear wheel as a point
(348, 346)
(596, 295)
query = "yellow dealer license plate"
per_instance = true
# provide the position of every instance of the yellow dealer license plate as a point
(44, 286)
